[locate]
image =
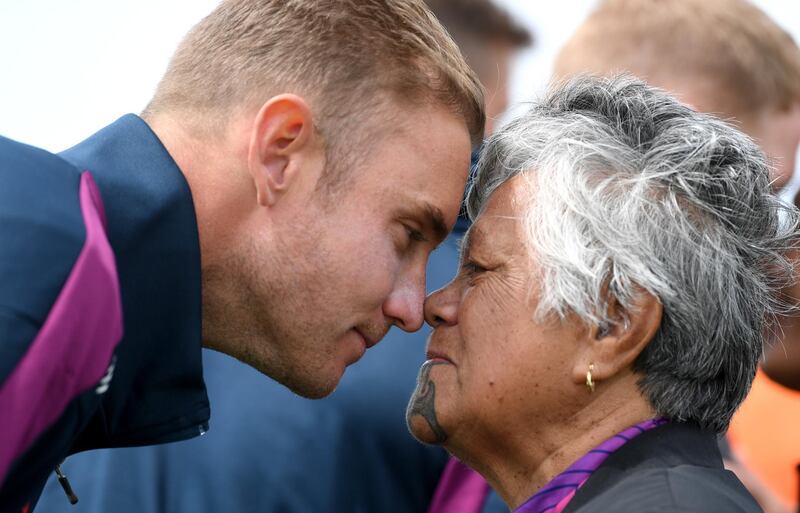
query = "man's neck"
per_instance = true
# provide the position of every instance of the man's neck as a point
(211, 167)
(214, 169)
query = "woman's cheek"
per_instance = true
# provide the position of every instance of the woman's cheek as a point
(494, 294)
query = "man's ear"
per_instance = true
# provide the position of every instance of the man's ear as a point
(282, 128)
(613, 348)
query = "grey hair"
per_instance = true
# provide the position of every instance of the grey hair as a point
(633, 191)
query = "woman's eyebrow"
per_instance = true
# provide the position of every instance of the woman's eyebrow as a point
(474, 232)
(463, 245)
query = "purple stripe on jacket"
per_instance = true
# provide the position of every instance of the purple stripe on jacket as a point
(74, 347)
(462, 490)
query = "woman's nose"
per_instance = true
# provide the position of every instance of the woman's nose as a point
(441, 307)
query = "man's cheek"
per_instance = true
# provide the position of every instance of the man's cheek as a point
(378, 267)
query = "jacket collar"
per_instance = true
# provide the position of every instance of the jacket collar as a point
(157, 393)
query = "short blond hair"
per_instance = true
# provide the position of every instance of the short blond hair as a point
(344, 54)
(742, 60)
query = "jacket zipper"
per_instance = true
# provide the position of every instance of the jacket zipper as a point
(62, 479)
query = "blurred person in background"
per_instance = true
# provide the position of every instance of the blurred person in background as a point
(725, 57)
(272, 451)
(590, 350)
(728, 58)
(783, 360)
(277, 201)
(488, 38)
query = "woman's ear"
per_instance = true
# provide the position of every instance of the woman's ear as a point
(282, 130)
(613, 348)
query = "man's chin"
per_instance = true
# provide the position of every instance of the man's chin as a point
(312, 376)
(305, 382)
(317, 386)
(312, 389)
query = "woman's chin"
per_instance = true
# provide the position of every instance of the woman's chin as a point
(422, 431)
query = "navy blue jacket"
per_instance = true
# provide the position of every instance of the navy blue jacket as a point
(271, 451)
(150, 387)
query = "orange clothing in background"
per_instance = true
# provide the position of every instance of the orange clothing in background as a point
(765, 436)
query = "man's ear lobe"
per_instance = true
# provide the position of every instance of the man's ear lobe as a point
(282, 129)
(613, 348)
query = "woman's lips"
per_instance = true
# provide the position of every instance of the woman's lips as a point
(432, 355)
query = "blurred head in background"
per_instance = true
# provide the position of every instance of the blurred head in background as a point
(488, 38)
(725, 57)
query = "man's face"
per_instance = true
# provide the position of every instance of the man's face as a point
(349, 262)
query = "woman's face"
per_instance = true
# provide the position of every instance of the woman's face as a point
(490, 366)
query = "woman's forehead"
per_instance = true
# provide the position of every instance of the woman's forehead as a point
(500, 225)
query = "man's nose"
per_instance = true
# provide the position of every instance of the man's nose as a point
(404, 304)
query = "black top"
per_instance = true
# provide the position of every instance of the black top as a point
(673, 468)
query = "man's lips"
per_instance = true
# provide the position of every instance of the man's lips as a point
(369, 341)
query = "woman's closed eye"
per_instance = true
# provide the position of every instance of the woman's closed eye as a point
(472, 267)
(473, 270)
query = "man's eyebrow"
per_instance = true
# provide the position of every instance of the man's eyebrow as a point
(436, 219)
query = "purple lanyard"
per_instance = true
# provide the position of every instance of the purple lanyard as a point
(556, 494)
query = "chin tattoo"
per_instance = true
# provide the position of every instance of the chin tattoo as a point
(422, 403)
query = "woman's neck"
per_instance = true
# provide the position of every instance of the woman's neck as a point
(519, 462)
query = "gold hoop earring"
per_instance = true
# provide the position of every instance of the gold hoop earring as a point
(589, 382)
